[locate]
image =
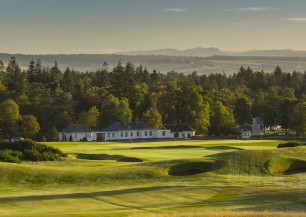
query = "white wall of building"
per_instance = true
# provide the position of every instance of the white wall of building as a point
(135, 134)
(76, 137)
(186, 134)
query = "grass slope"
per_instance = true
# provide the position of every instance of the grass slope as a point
(173, 177)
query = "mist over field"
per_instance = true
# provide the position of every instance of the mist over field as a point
(163, 61)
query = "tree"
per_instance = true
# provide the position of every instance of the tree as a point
(9, 111)
(153, 118)
(63, 120)
(53, 134)
(15, 79)
(222, 120)
(43, 139)
(1, 66)
(195, 109)
(3, 91)
(286, 107)
(298, 119)
(68, 81)
(242, 111)
(89, 118)
(55, 77)
(278, 75)
(29, 126)
(114, 110)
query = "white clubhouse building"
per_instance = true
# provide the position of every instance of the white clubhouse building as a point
(125, 131)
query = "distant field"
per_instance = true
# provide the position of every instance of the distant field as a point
(164, 64)
(177, 178)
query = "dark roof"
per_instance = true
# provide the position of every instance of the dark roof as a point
(178, 127)
(77, 128)
(246, 127)
(125, 126)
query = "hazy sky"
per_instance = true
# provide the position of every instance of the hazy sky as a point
(103, 26)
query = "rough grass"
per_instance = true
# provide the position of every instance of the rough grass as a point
(227, 213)
(255, 162)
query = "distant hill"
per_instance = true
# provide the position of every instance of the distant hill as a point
(198, 52)
(164, 63)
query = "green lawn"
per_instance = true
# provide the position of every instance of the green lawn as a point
(205, 175)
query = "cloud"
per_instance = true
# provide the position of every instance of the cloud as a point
(176, 10)
(253, 9)
(297, 19)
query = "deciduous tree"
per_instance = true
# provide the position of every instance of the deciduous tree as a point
(29, 126)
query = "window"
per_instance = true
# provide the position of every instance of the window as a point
(88, 135)
(131, 134)
(150, 133)
(164, 133)
(75, 136)
(108, 135)
(121, 134)
(126, 134)
(113, 135)
(146, 133)
(138, 133)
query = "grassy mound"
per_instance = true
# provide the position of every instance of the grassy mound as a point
(285, 165)
(43, 175)
(254, 162)
(27, 150)
(130, 159)
(191, 168)
(290, 144)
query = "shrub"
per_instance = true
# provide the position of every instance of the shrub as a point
(70, 138)
(10, 156)
(28, 150)
(84, 139)
(290, 144)
(43, 139)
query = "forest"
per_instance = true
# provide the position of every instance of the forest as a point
(41, 101)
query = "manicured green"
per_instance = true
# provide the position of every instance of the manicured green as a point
(122, 179)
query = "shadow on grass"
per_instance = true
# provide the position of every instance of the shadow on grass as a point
(223, 148)
(224, 154)
(98, 156)
(192, 168)
(170, 147)
(119, 158)
(82, 195)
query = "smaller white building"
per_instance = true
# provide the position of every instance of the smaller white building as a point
(246, 134)
(254, 129)
(181, 131)
(77, 132)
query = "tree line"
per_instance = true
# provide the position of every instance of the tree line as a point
(39, 101)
